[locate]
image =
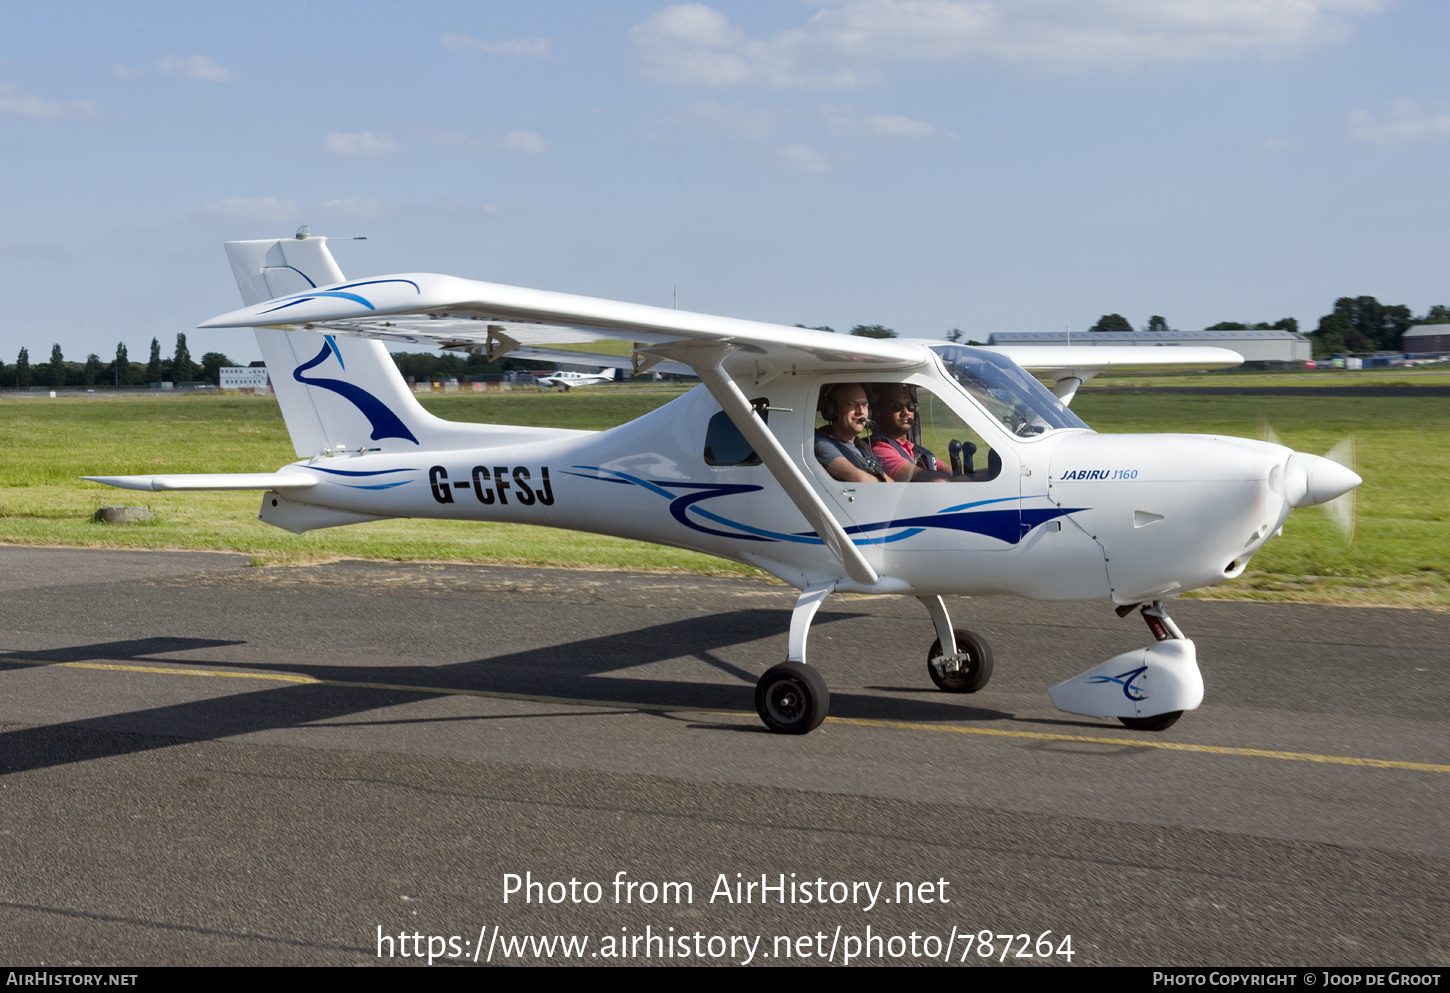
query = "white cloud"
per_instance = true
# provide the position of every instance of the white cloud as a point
(524, 141)
(195, 67)
(13, 101)
(357, 208)
(523, 48)
(735, 120)
(804, 158)
(191, 66)
(847, 43)
(1406, 123)
(363, 143)
(253, 209)
(842, 124)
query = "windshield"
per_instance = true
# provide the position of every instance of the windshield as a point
(1010, 394)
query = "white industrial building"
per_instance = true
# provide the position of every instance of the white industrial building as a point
(1254, 346)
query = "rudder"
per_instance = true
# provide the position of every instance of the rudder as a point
(336, 393)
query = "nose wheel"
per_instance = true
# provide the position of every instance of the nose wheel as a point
(1160, 722)
(792, 698)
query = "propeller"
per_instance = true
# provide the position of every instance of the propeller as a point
(1310, 482)
(1344, 510)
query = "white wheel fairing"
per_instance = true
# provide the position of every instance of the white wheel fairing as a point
(1145, 682)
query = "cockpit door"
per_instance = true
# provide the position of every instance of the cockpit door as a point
(977, 510)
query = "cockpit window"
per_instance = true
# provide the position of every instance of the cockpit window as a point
(1021, 403)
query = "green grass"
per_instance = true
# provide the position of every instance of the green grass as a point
(1435, 375)
(1400, 555)
(49, 443)
(1401, 551)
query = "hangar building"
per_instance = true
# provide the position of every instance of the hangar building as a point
(1423, 338)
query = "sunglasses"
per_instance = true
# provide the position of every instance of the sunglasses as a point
(897, 406)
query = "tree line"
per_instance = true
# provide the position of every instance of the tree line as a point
(1356, 324)
(179, 367)
(59, 373)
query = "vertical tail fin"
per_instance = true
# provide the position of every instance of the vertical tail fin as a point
(336, 394)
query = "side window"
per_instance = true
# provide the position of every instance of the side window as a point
(725, 445)
(910, 420)
(941, 426)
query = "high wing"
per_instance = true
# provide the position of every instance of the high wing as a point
(492, 319)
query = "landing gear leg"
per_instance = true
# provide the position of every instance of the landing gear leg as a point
(792, 698)
(960, 661)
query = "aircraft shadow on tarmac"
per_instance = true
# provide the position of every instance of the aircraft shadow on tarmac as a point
(572, 671)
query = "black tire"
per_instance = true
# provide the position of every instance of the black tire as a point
(792, 698)
(975, 671)
(1158, 722)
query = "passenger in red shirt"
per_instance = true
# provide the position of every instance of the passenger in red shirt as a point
(895, 408)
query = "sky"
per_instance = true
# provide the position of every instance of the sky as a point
(988, 165)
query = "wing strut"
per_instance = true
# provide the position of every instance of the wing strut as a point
(708, 363)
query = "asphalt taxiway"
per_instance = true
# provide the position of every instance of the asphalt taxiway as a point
(205, 763)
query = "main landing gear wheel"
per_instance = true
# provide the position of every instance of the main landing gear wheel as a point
(974, 670)
(791, 698)
(1158, 722)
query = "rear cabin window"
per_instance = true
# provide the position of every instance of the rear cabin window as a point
(725, 445)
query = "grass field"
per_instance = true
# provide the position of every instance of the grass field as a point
(1431, 375)
(1400, 555)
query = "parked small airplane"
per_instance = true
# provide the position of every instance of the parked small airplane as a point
(1033, 504)
(564, 381)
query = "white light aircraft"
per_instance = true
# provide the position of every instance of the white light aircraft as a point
(564, 381)
(1038, 505)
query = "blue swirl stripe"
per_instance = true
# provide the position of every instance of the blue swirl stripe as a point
(340, 294)
(1005, 525)
(385, 423)
(356, 472)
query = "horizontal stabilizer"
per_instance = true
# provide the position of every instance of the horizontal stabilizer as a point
(211, 481)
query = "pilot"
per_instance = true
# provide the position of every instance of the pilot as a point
(847, 413)
(895, 407)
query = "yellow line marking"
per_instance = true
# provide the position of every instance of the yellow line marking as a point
(1167, 746)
